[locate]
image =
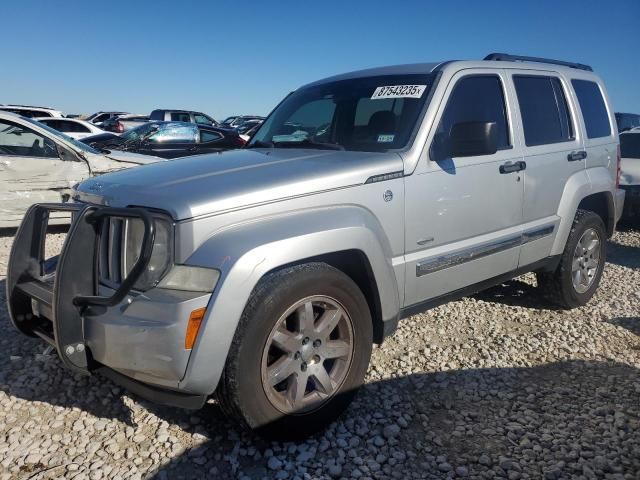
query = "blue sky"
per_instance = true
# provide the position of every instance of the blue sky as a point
(243, 57)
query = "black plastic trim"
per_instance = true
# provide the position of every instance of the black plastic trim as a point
(547, 264)
(154, 394)
(523, 58)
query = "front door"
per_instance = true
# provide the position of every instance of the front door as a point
(31, 171)
(463, 214)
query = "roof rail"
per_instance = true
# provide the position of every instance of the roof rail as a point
(521, 58)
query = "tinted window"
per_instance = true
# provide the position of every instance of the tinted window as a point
(66, 126)
(207, 136)
(544, 111)
(18, 140)
(100, 118)
(180, 117)
(173, 133)
(594, 110)
(202, 119)
(473, 99)
(630, 145)
(627, 121)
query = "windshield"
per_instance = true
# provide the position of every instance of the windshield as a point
(79, 145)
(361, 114)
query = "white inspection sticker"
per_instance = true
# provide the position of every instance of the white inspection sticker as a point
(398, 91)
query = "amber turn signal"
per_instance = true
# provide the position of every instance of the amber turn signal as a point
(195, 320)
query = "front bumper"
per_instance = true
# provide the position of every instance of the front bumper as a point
(135, 338)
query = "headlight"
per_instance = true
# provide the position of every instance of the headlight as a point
(161, 254)
(193, 279)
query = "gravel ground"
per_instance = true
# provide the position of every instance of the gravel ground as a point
(497, 385)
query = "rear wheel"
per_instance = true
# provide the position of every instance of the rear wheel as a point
(300, 352)
(578, 275)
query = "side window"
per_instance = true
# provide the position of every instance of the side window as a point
(543, 108)
(207, 136)
(175, 134)
(478, 98)
(180, 117)
(201, 119)
(74, 127)
(594, 110)
(630, 145)
(17, 140)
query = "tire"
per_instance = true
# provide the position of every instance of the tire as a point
(559, 286)
(277, 412)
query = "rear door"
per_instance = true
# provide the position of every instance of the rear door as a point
(31, 171)
(553, 150)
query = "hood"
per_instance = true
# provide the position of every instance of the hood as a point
(630, 171)
(205, 184)
(118, 160)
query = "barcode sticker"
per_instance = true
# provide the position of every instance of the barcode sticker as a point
(398, 91)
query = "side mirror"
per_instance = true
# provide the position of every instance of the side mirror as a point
(470, 139)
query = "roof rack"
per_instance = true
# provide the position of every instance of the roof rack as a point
(521, 58)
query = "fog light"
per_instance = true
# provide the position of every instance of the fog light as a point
(195, 320)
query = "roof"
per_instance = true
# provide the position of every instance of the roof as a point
(495, 60)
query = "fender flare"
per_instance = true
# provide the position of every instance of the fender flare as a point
(579, 186)
(245, 252)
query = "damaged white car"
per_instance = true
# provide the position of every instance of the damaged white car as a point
(39, 164)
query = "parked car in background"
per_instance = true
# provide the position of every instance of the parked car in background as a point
(244, 127)
(188, 116)
(99, 117)
(72, 127)
(266, 273)
(627, 121)
(169, 139)
(123, 123)
(630, 173)
(32, 112)
(41, 164)
(238, 120)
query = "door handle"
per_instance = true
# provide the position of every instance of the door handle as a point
(577, 155)
(511, 167)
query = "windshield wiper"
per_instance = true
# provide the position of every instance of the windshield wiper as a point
(309, 143)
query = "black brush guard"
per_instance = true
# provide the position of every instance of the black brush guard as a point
(69, 292)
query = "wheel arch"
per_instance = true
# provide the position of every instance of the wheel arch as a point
(348, 238)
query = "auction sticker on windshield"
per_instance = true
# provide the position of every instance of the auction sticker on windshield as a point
(398, 91)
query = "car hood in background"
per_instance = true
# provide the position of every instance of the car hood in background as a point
(118, 160)
(206, 184)
(630, 171)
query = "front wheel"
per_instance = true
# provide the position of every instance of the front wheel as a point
(300, 352)
(578, 275)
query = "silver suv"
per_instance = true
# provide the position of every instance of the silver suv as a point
(266, 274)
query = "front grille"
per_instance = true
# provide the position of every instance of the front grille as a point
(111, 251)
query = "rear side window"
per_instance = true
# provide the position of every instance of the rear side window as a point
(630, 145)
(172, 133)
(544, 111)
(207, 136)
(477, 98)
(594, 110)
(180, 117)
